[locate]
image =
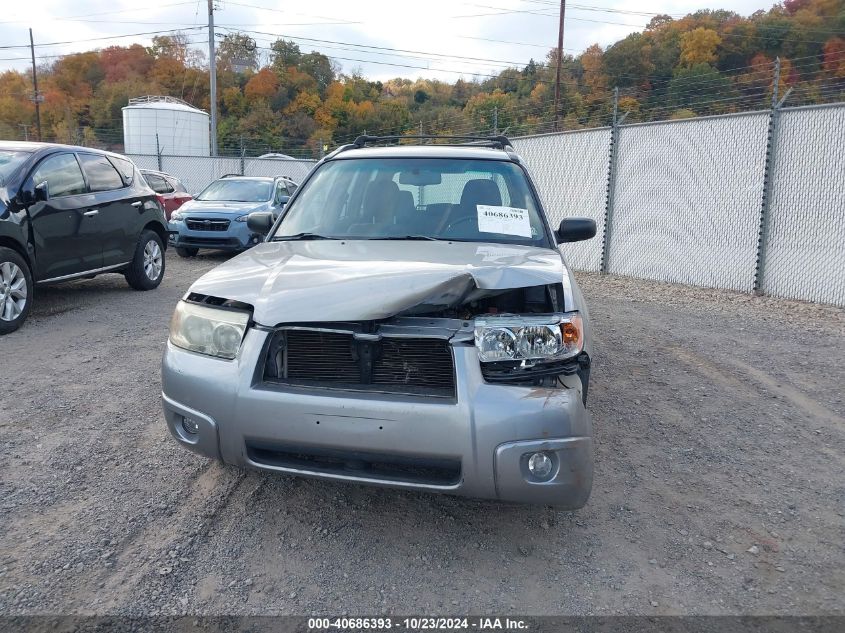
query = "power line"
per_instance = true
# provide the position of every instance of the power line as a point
(109, 37)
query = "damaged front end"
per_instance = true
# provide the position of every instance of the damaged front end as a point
(522, 335)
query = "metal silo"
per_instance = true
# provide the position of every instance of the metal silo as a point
(181, 128)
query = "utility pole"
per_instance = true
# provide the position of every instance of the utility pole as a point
(559, 61)
(35, 97)
(495, 120)
(212, 69)
(25, 131)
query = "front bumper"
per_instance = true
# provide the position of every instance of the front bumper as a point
(487, 432)
(238, 237)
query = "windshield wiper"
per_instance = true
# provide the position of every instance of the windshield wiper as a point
(408, 237)
(303, 236)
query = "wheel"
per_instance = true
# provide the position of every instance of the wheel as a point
(16, 290)
(146, 270)
(184, 251)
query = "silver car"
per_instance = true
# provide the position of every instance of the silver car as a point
(409, 321)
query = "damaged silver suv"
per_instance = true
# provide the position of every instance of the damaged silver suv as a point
(408, 322)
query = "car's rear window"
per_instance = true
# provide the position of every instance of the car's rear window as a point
(440, 198)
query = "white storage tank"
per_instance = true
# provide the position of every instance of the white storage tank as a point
(182, 129)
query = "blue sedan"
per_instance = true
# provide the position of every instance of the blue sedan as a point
(216, 218)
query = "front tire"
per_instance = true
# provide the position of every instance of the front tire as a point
(146, 270)
(186, 252)
(16, 290)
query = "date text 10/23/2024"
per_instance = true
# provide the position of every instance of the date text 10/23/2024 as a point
(418, 623)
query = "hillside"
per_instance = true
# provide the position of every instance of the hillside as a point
(709, 62)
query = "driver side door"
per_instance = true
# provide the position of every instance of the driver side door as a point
(64, 230)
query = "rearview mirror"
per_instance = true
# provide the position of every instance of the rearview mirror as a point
(260, 221)
(42, 192)
(575, 230)
(420, 177)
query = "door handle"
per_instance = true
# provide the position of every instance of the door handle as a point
(90, 213)
(137, 204)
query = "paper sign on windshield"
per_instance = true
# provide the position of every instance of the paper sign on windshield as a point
(503, 220)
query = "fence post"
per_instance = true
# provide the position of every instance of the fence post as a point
(158, 153)
(243, 151)
(611, 181)
(768, 172)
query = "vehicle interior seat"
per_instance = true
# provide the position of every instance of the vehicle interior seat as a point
(378, 208)
(475, 192)
(407, 217)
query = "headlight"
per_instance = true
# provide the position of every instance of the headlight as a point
(242, 218)
(513, 337)
(207, 330)
(175, 217)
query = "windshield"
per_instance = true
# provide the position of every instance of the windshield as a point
(237, 191)
(422, 198)
(9, 162)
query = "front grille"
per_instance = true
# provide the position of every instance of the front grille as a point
(320, 356)
(435, 471)
(418, 366)
(207, 224)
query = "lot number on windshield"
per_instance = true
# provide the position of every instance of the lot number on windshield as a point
(503, 220)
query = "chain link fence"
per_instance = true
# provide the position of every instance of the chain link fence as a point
(804, 249)
(748, 202)
(751, 201)
(685, 209)
(570, 171)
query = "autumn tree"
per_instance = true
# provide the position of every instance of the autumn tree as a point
(699, 46)
(119, 62)
(833, 60)
(263, 85)
(15, 108)
(177, 46)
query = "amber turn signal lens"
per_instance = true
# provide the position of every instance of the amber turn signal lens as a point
(571, 334)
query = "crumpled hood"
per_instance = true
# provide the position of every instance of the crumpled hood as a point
(214, 206)
(332, 280)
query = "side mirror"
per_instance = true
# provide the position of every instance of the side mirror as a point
(575, 230)
(26, 197)
(42, 192)
(260, 221)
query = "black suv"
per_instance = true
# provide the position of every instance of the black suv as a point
(70, 212)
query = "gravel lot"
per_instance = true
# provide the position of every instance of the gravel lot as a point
(719, 487)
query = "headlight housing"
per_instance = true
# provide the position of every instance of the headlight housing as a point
(175, 217)
(512, 337)
(242, 218)
(212, 331)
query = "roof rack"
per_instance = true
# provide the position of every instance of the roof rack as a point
(498, 141)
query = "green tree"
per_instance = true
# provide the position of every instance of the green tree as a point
(285, 54)
(700, 87)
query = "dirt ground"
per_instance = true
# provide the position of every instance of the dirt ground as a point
(719, 486)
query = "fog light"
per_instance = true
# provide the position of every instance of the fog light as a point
(540, 465)
(191, 427)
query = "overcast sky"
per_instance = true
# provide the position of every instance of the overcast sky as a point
(494, 32)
